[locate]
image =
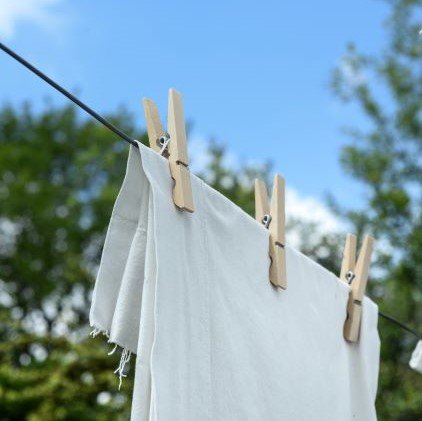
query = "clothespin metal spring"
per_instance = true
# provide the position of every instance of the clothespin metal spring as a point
(164, 141)
(266, 220)
(350, 275)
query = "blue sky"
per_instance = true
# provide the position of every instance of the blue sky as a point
(254, 75)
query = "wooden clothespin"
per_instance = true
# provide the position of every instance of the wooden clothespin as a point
(355, 273)
(172, 145)
(273, 218)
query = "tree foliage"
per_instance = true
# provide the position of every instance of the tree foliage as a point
(59, 176)
(386, 157)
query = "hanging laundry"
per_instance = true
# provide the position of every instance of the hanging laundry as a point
(416, 359)
(190, 295)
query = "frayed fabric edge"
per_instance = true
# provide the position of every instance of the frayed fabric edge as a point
(96, 331)
(120, 370)
(124, 358)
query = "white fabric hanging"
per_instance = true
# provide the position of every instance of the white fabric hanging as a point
(416, 359)
(190, 295)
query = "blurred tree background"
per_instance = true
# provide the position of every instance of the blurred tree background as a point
(386, 159)
(60, 174)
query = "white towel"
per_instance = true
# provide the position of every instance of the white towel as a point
(416, 360)
(190, 295)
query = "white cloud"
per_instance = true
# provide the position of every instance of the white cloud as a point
(200, 157)
(352, 74)
(39, 12)
(310, 209)
(198, 154)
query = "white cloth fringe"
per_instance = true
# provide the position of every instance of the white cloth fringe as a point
(120, 370)
(113, 350)
(124, 359)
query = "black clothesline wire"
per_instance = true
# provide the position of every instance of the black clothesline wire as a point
(67, 94)
(400, 324)
(128, 139)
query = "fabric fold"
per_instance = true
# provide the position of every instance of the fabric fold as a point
(117, 295)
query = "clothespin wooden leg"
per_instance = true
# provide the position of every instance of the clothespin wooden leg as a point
(262, 206)
(349, 259)
(156, 134)
(357, 292)
(277, 230)
(273, 218)
(178, 153)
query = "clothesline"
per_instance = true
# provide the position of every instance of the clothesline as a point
(400, 324)
(67, 94)
(128, 139)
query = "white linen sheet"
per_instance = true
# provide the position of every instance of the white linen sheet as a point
(190, 295)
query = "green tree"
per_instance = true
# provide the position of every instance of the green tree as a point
(59, 176)
(385, 156)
